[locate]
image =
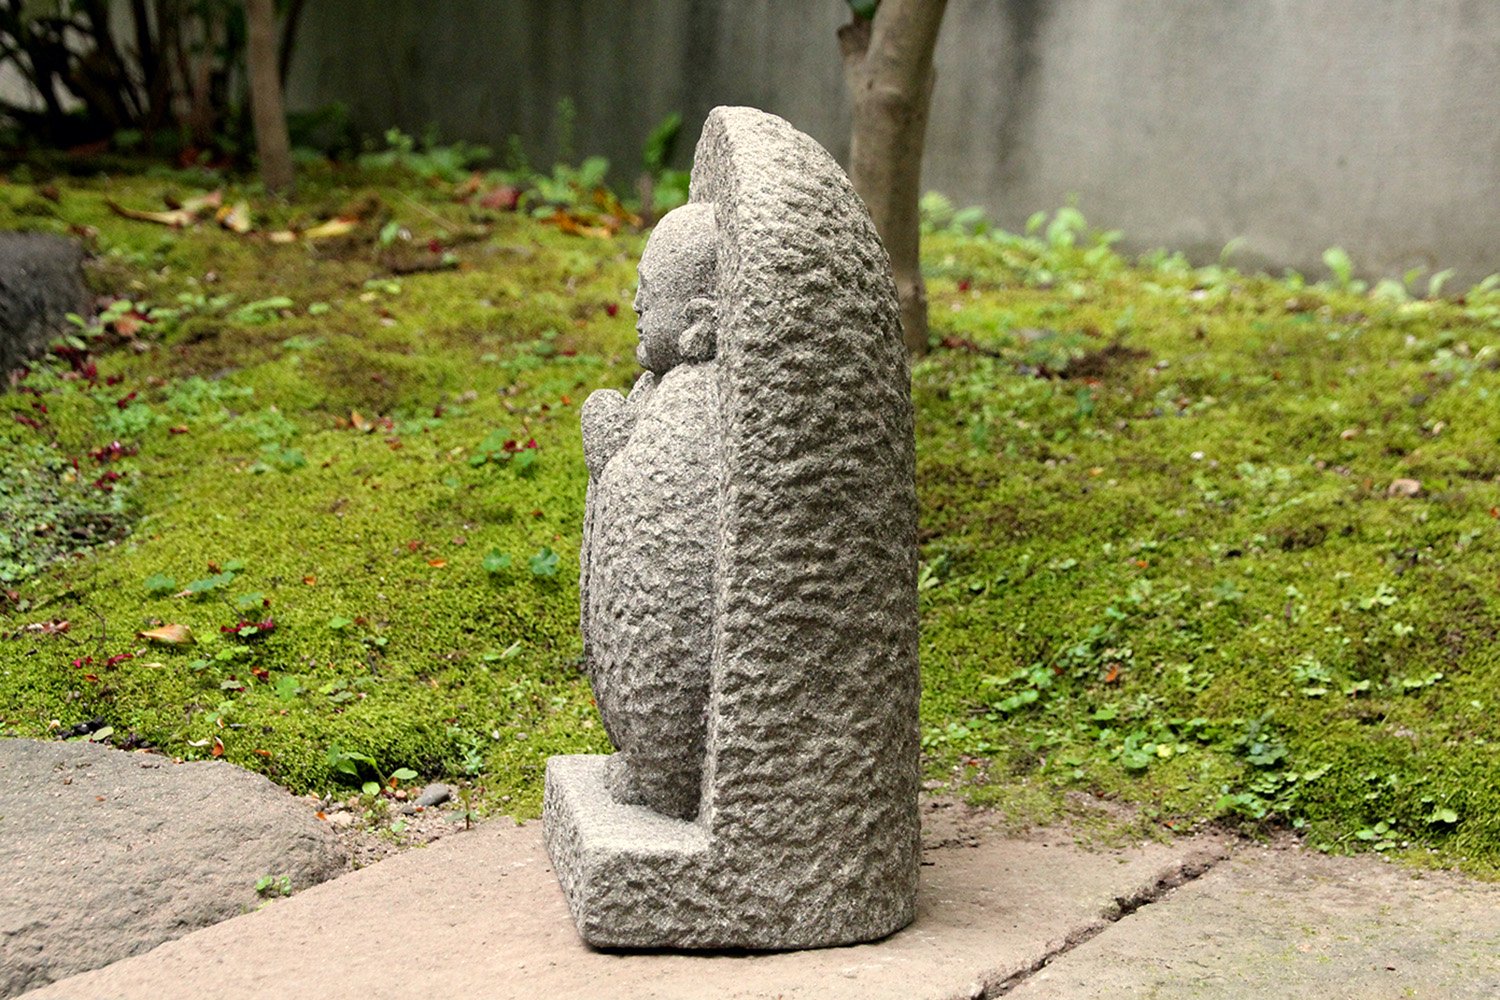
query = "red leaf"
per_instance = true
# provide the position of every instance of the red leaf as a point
(502, 199)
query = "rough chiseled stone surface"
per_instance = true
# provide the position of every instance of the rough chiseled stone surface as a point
(769, 511)
(106, 854)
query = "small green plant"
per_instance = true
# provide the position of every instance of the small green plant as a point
(356, 766)
(261, 311)
(218, 581)
(429, 159)
(271, 886)
(279, 458)
(159, 584)
(544, 562)
(466, 804)
(1337, 260)
(667, 188)
(497, 449)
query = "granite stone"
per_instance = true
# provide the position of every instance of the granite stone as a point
(748, 578)
(106, 854)
(41, 281)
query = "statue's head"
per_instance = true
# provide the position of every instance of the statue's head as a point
(675, 304)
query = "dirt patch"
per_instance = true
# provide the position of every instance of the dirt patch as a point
(1097, 364)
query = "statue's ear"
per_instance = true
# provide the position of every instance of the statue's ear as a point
(699, 342)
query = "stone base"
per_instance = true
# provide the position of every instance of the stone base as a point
(636, 879)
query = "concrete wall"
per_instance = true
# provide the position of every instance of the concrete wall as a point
(1292, 125)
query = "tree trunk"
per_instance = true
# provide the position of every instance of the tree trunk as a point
(289, 25)
(261, 58)
(888, 69)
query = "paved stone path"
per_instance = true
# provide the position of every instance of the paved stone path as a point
(480, 914)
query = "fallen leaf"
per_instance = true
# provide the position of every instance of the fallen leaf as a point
(235, 218)
(575, 226)
(1403, 488)
(501, 199)
(200, 204)
(358, 422)
(437, 563)
(218, 749)
(310, 580)
(170, 635)
(333, 227)
(1113, 675)
(261, 753)
(55, 627)
(469, 187)
(129, 324)
(282, 236)
(176, 218)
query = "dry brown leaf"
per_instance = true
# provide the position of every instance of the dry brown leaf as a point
(235, 218)
(169, 635)
(359, 423)
(333, 227)
(576, 226)
(176, 218)
(203, 204)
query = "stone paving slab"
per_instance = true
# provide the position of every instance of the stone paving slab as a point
(1284, 923)
(106, 854)
(481, 914)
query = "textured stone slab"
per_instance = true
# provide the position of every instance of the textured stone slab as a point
(1272, 923)
(481, 914)
(105, 854)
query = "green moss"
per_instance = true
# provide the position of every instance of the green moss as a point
(1160, 562)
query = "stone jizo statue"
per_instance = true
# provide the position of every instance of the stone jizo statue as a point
(652, 526)
(748, 578)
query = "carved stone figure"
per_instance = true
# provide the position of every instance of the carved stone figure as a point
(749, 577)
(652, 526)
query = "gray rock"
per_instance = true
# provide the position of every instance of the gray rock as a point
(106, 854)
(41, 281)
(433, 795)
(749, 578)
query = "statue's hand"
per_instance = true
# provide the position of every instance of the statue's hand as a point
(606, 428)
(609, 418)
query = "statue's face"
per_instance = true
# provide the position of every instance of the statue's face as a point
(661, 313)
(676, 285)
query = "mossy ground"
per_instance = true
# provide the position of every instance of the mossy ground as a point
(1160, 561)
